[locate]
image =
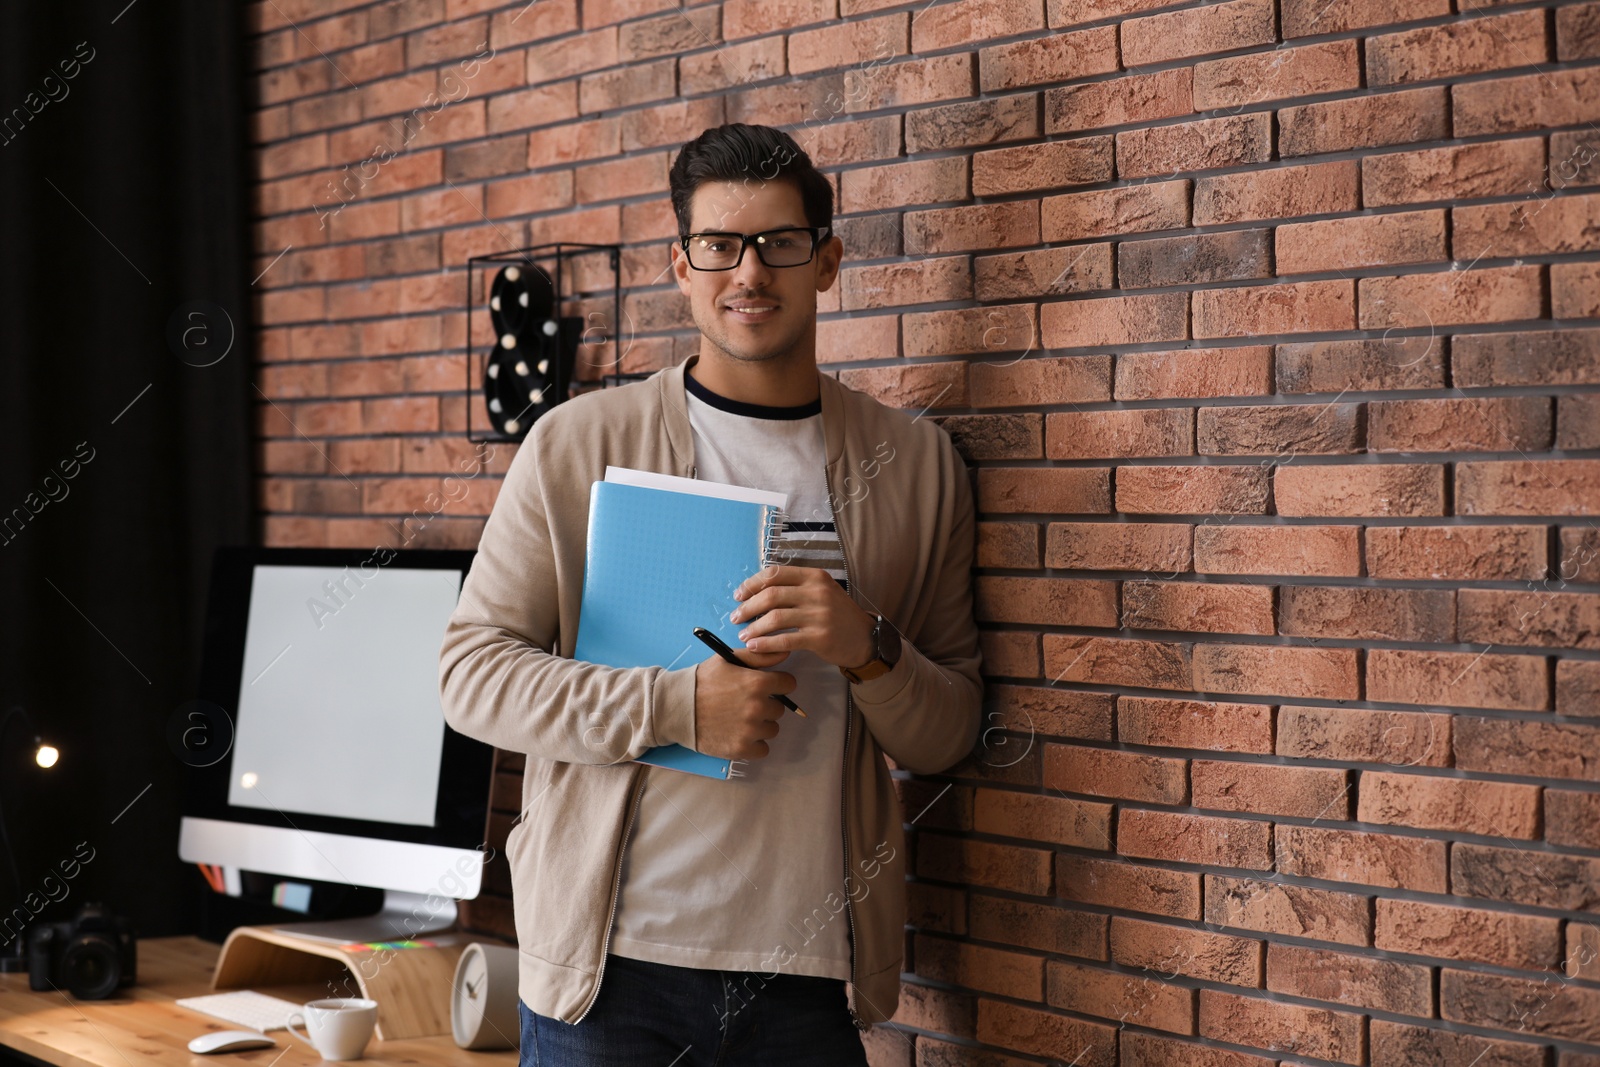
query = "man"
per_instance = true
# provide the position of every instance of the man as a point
(663, 917)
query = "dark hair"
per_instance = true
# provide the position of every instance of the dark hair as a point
(754, 155)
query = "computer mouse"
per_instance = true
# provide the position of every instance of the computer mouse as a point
(229, 1041)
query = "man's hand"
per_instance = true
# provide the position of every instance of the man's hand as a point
(734, 713)
(820, 616)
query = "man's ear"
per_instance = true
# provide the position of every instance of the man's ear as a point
(680, 267)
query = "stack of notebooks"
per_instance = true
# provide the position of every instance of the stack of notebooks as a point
(664, 555)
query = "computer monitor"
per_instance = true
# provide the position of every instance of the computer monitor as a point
(338, 765)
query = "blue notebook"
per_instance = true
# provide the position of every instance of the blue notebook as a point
(664, 555)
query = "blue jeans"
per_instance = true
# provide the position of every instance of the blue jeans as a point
(656, 1015)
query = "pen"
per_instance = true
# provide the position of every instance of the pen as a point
(717, 645)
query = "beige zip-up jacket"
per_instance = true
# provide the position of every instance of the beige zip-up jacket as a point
(904, 512)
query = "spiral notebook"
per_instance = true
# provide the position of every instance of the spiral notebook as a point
(664, 555)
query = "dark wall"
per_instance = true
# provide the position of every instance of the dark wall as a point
(125, 409)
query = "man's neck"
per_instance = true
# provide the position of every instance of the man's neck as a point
(771, 383)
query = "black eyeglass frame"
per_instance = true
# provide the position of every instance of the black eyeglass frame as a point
(745, 240)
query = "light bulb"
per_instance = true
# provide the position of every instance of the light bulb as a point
(46, 756)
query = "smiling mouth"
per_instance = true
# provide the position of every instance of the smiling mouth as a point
(757, 314)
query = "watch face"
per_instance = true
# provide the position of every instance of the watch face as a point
(888, 642)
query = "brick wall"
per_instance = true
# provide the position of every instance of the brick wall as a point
(1270, 330)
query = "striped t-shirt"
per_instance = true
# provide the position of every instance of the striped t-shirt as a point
(748, 874)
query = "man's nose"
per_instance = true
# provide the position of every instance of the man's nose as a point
(751, 274)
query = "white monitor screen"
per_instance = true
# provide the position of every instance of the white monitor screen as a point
(339, 709)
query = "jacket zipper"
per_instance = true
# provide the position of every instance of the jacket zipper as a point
(844, 819)
(616, 884)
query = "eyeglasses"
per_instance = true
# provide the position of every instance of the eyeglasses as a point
(777, 248)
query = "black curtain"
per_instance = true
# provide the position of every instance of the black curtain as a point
(126, 408)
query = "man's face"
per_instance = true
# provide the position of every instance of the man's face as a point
(791, 292)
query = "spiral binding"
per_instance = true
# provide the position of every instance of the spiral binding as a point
(769, 539)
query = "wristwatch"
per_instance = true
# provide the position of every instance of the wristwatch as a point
(885, 653)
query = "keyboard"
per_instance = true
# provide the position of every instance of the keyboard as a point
(245, 1007)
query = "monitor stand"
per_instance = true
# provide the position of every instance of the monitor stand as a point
(402, 917)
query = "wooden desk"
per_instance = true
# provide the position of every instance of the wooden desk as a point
(142, 1026)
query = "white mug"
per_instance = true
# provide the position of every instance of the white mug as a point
(338, 1027)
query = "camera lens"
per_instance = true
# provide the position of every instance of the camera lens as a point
(90, 969)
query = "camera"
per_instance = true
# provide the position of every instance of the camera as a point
(92, 956)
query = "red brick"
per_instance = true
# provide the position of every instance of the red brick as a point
(1212, 257)
(1572, 818)
(1393, 1042)
(1120, 101)
(1110, 772)
(1578, 32)
(1194, 724)
(1110, 661)
(974, 22)
(1500, 294)
(1578, 422)
(1502, 809)
(1327, 551)
(1528, 102)
(1553, 619)
(1282, 308)
(1119, 320)
(1052, 58)
(1053, 712)
(1063, 13)
(1471, 679)
(1456, 172)
(1270, 789)
(1275, 907)
(1444, 931)
(908, 83)
(1052, 165)
(1197, 32)
(1360, 858)
(1563, 224)
(1504, 1003)
(1304, 18)
(915, 386)
(983, 437)
(1398, 117)
(1284, 670)
(1044, 1033)
(923, 181)
(1196, 372)
(978, 122)
(1398, 738)
(1203, 839)
(1233, 489)
(1128, 886)
(1578, 687)
(1366, 613)
(1167, 950)
(1363, 241)
(1013, 654)
(1202, 144)
(1044, 272)
(1528, 487)
(1197, 606)
(848, 44)
(1149, 1050)
(1119, 434)
(1029, 490)
(1041, 927)
(1059, 380)
(1453, 49)
(1126, 209)
(1359, 490)
(1497, 424)
(992, 970)
(1520, 875)
(1281, 74)
(1281, 1027)
(976, 227)
(1526, 357)
(1002, 328)
(1058, 820)
(732, 64)
(952, 859)
(1347, 979)
(1051, 601)
(1121, 546)
(1276, 192)
(1138, 999)
(1283, 431)
(1528, 747)
(747, 18)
